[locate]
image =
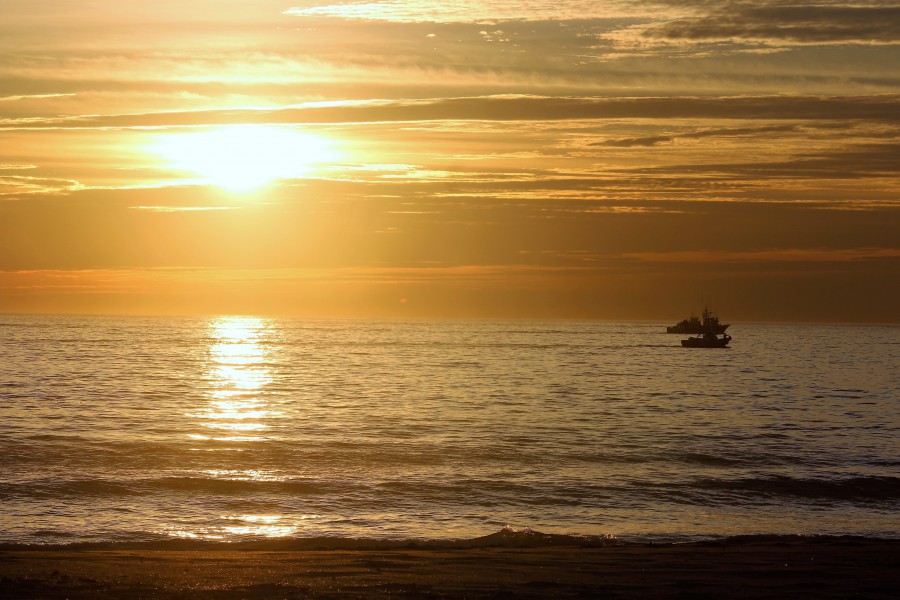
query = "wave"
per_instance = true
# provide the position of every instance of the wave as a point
(857, 489)
(508, 537)
(141, 487)
(873, 491)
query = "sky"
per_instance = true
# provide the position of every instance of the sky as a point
(494, 159)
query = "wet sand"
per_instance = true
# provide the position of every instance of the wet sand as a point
(749, 568)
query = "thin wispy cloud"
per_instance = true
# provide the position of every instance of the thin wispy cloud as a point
(773, 23)
(13, 185)
(468, 10)
(34, 97)
(788, 255)
(507, 108)
(693, 135)
(177, 209)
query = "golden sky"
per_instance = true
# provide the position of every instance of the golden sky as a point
(603, 158)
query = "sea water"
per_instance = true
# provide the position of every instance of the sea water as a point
(236, 428)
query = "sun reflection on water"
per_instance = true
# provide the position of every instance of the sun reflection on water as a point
(243, 526)
(238, 374)
(258, 525)
(239, 413)
(244, 474)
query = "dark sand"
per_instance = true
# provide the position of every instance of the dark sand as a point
(738, 568)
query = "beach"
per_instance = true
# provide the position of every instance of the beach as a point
(752, 567)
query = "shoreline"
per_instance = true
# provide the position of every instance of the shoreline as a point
(743, 567)
(508, 537)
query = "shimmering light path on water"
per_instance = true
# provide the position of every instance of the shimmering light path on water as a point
(229, 428)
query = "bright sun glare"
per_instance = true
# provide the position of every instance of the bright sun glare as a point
(241, 158)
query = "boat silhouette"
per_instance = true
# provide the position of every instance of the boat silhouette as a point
(707, 340)
(707, 330)
(709, 324)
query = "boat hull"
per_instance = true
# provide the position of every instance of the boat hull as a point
(718, 330)
(699, 342)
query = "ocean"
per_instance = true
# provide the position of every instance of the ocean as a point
(132, 429)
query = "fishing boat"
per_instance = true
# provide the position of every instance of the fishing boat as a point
(710, 323)
(707, 340)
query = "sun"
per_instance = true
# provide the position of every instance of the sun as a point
(242, 158)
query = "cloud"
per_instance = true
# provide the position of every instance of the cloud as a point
(803, 255)
(302, 61)
(885, 107)
(794, 24)
(851, 162)
(174, 209)
(33, 97)
(14, 185)
(135, 279)
(470, 11)
(661, 139)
